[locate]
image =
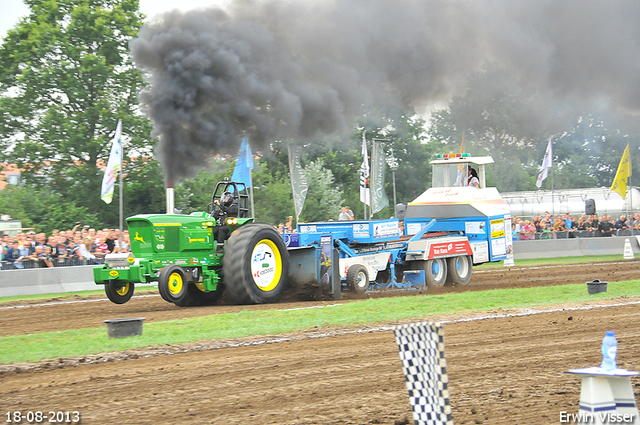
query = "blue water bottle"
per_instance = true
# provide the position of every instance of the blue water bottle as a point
(609, 351)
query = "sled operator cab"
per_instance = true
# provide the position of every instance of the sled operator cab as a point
(479, 214)
(452, 169)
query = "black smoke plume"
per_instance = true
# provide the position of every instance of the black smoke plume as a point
(279, 69)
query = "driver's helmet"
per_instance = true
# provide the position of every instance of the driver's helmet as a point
(226, 199)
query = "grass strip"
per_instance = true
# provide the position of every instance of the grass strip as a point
(76, 342)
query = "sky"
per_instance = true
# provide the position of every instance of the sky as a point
(13, 10)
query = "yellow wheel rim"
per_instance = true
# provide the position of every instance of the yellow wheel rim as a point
(175, 283)
(200, 286)
(266, 265)
(124, 290)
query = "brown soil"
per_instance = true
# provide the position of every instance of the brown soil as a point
(502, 370)
(77, 312)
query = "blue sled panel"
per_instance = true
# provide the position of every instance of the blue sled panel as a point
(304, 265)
(352, 231)
(415, 278)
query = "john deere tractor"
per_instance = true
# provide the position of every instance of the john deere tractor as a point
(195, 257)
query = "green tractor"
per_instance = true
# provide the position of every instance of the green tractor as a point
(195, 257)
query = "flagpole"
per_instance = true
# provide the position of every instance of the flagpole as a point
(365, 175)
(553, 205)
(121, 189)
(253, 211)
(364, 142)
(630, 210)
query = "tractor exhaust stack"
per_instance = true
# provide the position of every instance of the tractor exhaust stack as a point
(170, 197)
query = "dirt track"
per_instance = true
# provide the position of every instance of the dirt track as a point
(54, 317)
(502, 370)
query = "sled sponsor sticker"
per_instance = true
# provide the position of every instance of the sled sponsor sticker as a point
(480, 252)
(499, 247)
(386, 230)
(451, 248)
(361, 230)
(497, 228)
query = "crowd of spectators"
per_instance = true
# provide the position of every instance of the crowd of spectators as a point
(82, 245)
(564, 226)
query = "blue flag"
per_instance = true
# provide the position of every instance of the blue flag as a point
(244, 165)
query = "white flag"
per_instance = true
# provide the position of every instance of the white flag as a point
(364, 173)
(546, 164)
(113, 166)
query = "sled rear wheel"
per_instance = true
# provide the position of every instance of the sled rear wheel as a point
(436, 272)
(459, 269)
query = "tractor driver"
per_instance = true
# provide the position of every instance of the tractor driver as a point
(223, 209)
(226, 207)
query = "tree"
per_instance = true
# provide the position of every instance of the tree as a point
(273, 197)
(42, 209)
(66, 79)
(324, 198)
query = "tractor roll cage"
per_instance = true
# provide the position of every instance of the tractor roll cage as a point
(240, 196)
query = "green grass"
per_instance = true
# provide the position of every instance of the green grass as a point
(69, 343)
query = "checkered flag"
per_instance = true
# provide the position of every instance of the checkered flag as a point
(421, 348)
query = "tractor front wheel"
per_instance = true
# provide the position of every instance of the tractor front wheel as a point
(255, 265)
(172, 284)
(119, 293)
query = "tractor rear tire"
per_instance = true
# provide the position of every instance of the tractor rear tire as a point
(459, 270)
(172, 284)
(358, 279)
(255, 265)
(119, 293)
(436, 272)
(196, 297)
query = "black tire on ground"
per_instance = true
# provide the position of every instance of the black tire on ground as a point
(459, 270)
(358, 279)
(172, 284)
(196, 297)
(255, 265)
(119, 293)
(436, 272)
